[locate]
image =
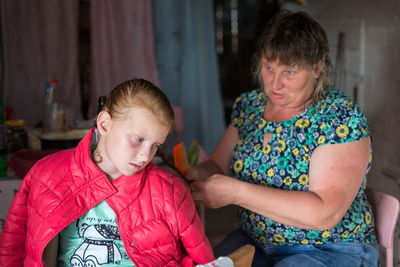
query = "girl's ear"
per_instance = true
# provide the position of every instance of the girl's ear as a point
(104, 122)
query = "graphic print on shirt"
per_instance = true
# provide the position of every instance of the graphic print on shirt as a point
(98, 247)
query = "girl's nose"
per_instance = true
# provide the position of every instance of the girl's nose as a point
(145, 154)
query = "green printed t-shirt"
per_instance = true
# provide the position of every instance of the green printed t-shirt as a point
(284, 163)
(93, 240)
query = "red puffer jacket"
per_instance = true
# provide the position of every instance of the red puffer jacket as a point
(156, 215)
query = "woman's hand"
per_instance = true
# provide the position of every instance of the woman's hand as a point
(203, 170)
(215, 192)
(194, 173)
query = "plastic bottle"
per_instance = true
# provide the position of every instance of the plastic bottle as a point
(49, 94)
(55, 113)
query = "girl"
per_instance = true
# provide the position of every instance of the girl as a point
(104, 203)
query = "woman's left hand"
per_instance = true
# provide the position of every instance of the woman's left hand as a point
(216, 191)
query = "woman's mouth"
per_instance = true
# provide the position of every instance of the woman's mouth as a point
(277, 95)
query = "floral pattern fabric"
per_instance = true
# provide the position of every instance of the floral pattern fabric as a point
(284, 163)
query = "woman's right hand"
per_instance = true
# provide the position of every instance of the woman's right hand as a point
(203, 170)
(193, 173)
(217, 191)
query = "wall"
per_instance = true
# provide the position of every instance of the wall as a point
(371, 61)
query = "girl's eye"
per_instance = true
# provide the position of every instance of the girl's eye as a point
(139, 139)
(157, 146)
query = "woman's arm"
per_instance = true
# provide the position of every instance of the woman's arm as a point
(219, 160)
(336, 173)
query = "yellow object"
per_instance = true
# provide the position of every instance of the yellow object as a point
(15, 123)
(301, 2)
(243, 256)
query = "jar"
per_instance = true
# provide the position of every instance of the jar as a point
(16, 136)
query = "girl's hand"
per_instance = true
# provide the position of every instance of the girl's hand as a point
(215, 192)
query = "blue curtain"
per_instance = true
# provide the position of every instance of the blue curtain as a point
(187, 66)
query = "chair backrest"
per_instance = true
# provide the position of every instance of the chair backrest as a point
(386, 213)
(243, 256)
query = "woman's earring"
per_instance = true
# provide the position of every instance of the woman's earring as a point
(97, 157)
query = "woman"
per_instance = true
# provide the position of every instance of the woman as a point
(294, 158)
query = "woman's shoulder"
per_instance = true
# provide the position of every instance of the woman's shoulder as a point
(248, 105)
(251, 96)
(338, 119)
(337, 103)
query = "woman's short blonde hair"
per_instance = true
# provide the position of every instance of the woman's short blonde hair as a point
(295, 39)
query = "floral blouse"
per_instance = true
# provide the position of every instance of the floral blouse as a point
(284, 163)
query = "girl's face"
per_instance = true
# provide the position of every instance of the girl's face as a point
(288, 86)
(128, 145)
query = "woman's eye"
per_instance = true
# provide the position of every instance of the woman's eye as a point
(291, 72)
(268, 68)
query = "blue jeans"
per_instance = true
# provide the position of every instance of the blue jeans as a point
(336, 254)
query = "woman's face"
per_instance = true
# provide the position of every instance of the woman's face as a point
(128, 145)
(288, 86)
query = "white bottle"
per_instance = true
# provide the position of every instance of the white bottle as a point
(55, 115)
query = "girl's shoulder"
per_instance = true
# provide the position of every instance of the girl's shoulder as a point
(55, 162)
(159, 174)
(166, 184)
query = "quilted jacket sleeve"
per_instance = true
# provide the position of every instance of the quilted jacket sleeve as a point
(191, 230)
(13, 237)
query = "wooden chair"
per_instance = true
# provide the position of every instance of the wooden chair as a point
(386, 213)
(243, 256)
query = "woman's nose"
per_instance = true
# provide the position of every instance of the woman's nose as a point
(276, 82)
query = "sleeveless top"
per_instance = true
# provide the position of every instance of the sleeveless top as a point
(284, 163)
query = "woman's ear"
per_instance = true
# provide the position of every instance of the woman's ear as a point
(318, 69)
(103, 122)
